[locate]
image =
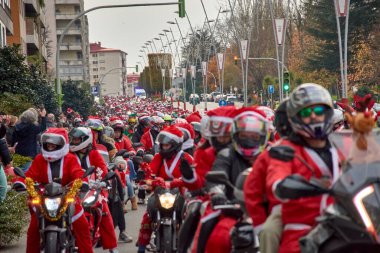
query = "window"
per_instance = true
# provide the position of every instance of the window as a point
(3, 40)
(94, 69)
(94, 55)
(102, 68)
(101, 54)
(94, 62)
(102, 61)
(95, 76)
(7, 3)
(79, 56)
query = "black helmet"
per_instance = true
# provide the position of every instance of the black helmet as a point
(173, 136)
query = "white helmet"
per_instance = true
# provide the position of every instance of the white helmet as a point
(338, 120)
(84, 133)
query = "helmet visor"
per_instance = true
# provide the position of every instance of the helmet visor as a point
(163, 138)
(218, 126)
(53, 139)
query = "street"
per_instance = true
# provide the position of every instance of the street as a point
(200, 107)
(133, 219)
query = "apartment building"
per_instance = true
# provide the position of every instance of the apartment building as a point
(74, 51)
(6, 24)
(108, 68)
(29, 22)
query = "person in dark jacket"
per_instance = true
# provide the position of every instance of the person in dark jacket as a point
(142, 127)
(11, 127)
(25, 135)
(5, 160)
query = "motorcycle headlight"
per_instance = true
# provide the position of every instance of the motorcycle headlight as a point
(167, 200)
(89, 200)
(52, 206)
(368, 206)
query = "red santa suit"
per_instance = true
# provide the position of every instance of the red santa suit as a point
(298, 216)
(107, 232)
(40, 171)
(256, 195)
(147, 142)
(124, 143)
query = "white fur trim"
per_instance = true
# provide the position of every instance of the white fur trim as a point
(77, 216)
(50, 176)
(169, 171)
(211, 216)
(221, 119)
(296, 226)
(188, 144)
(252, 114)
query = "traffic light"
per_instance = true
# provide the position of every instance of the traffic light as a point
(236, 59)
(137, 68)
(286, 81)
(181, 8)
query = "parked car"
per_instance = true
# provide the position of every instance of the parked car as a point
(231, 100)
(213, 95)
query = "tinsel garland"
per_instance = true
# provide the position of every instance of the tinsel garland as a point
(70, 195)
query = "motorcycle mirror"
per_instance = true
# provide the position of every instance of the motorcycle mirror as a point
(147, 158)
(296, 186)
(109, 175)
(283, 153)
(89, 171)
(19, 172)
(217, 177)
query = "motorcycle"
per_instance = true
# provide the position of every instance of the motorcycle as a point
(165, 208)
(93, 205)
(352, 223)
(54, 206)
(243, 239)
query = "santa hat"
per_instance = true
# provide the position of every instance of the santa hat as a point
(186, 127)
(48, 136)
(225, 111)
(194, 117)
(252, 110)
(173, 132)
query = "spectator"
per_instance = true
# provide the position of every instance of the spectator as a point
(50, 121)
(11, 126)
(5, 161)
(25, 135)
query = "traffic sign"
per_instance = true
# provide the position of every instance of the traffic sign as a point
(95, 90)
(222, 102)
(270, 89)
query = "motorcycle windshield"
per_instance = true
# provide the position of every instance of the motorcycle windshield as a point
(348, 145)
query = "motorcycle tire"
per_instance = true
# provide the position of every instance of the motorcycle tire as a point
(51, 243)
(166, 240)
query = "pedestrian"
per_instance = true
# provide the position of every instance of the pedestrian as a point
(25, 135)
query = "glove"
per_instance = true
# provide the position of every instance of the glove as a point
(186, 170)
(176, 183)
(140, 153)
(218, 199)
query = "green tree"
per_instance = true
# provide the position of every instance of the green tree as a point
(19, 78)
(77, 98)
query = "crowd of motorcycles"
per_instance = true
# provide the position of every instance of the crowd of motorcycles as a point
(352, 222)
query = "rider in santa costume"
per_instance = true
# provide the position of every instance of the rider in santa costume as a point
(165, 166)
(81, 140)
(56, 162)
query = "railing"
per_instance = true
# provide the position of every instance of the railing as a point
(67, 2)
(70, 62)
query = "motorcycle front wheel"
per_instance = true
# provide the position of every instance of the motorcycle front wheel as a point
(51, 243)
(166, 240)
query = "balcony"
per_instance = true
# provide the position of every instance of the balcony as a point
(71, 31)
(65, 16)
(71, 47)
(31, 8)
(71, 63)
(77, 2)
(5, 17)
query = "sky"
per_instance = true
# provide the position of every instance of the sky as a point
(129, 28)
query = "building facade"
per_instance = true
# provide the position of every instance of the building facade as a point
(6, 24)
(74, 50)
(108, 68)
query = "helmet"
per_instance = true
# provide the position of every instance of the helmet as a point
(95, 124)
(109, 132)
(338, 120)
(117, 124)
(281, 121)
(257, 126)
(157, 123)
(132, 121)
(85, 136)
(304, 96)
(205, 121)
(196, 126)
(144, 121)
(269, 115)
(59, 137)
(173, 136)
(167, 117)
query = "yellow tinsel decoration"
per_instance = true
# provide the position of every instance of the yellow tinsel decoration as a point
(70, 195)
